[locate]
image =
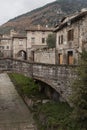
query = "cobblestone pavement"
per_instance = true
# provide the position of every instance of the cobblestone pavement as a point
(14, 114)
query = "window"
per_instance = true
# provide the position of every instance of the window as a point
(20, 42)
(43, 40)
(70, 35)
(61, 39)
(33, 40)
(1, 47)
(7, 47)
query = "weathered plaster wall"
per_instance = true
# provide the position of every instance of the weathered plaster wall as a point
(37, 38)
(18, 44)
(45, 56)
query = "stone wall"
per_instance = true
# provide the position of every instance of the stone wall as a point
(58, 77)
(19, 44)
(76, 44)
(34, 37)
(45, 56)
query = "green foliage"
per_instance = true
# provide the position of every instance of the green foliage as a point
(49, 116)
(51, 40)
(54, 116)
(79, 95)
(26, 86)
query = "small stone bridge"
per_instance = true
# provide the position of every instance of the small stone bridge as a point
(58, 77)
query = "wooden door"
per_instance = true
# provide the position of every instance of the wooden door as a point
(70, 57)
(60, 59)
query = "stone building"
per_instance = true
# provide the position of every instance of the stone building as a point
(45, 56)
(71, 38)
(5, 47)
(36, 38)
(13, 46)
(19, 47)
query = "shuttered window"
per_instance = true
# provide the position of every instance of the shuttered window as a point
(43, 40)
(70, 35)
(61, 39)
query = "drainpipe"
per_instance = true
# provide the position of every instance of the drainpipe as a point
(26, 48)
(78, 39)
(56, 51)
(11, 47)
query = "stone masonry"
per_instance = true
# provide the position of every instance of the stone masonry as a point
(45, 56)
(58, 77)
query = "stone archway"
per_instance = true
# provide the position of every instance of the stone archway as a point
(48, 90)
(22, 55)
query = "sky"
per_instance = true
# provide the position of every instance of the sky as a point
(12, 8)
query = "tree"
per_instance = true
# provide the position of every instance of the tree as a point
(51, 40)
(79, 93)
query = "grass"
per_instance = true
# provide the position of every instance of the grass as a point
(53, 115)
(26, 86)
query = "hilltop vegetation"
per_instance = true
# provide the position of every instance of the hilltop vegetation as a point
(49, 14)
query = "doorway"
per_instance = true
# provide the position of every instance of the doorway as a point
(60, 58)
(70, 57)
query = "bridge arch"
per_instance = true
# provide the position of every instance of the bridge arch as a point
(22, 55)
(49, 89)
(58, 77)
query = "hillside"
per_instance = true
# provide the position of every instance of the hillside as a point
(49, 14)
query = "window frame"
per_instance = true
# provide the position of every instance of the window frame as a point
(70, 35)
(32, 40)
(43, 40)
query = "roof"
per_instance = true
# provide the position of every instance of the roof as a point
(72, 19)
(39, 28)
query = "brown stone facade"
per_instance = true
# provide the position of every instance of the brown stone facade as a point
(71, 38)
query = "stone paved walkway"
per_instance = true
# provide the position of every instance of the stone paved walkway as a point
(14, 114)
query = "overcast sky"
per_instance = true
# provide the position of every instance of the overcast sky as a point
(12, 8)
